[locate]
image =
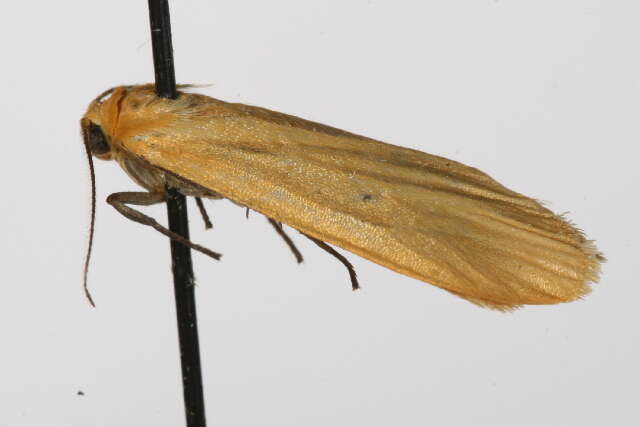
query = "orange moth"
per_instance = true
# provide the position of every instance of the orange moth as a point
(421, 215)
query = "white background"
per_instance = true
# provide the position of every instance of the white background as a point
(542, 95)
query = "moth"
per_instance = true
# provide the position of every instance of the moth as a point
(421, 215)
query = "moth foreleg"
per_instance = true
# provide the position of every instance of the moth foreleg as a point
(120, 201)
(352, 272)
(278, 227)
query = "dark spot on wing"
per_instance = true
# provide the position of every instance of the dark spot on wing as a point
(252, 149)
(367, 197)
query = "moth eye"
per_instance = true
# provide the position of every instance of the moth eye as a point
(96, 140)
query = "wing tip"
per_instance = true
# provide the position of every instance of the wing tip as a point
(595, 260)
(593, 264)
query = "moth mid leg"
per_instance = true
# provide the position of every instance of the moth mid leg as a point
(120, 201)
(292, 246)
(203, 214)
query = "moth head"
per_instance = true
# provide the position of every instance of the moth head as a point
(94, 134)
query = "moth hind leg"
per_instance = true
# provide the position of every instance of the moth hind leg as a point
(120, 201)
(352, 271)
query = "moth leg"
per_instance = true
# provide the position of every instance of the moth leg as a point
(120, 200)
(278, 227)
(203, 213)
(352, 272)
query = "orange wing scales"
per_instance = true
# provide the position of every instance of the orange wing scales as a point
(421, 215)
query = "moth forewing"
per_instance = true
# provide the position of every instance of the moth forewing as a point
(421, 215)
